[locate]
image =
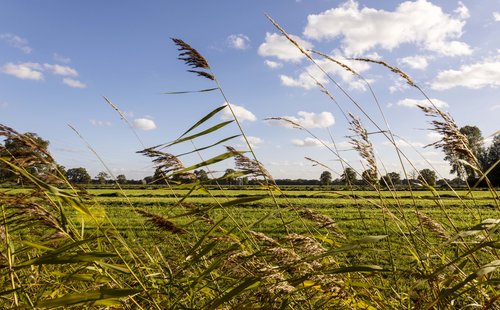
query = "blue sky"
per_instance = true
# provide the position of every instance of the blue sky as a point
(58, 58)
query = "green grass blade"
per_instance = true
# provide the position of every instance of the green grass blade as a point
(190, 91)
(209, 146)
(202, 133)
(92, 296)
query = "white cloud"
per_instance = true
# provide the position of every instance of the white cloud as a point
(97, 123)
(273, 64)
(402, 143)
(495, 107)
(305, 81)
(278, 46)
(310, 120)
(307, 142)
(144, 124)
(25, 71)
(254, 141)
(61, 70)
(434, 136)
(241, 113)
(74, 83)
(475, 76)
(61, 58)
(462, 10)
(417, 62)
(16, 41)
(412, 103)
(496, 16)
(238, 41)
(419, 22)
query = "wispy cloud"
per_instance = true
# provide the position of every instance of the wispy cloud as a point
(24, 71)
(61, 70)
(412, 103)
(61, 58)
(307, 142)
(144, 124)
(254, 141)
(74, 83)
(238, 41)
(241, 113)
(367, 28)
(273, 64)
(16, 41)
(99, 123)
(496, 16)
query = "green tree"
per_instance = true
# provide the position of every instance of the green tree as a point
(101, 177)
(489, 158)
(475, 144)
(78, 175)
(229, 176)
(349, 176)
(370, 176)
(28, 148)
(201, 175)
(428, 175)
(392, 178)
(325, 178)
(121, 179)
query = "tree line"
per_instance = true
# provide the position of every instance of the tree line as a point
(487, 157)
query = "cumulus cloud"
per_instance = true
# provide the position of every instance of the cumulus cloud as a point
(495, 107)
(419, 22)
(496, 16)
(74, 83)
(16, 41)
(278, 46)
(412, 103)
(61, 70)
(475, 76)
(238, 41)
(309, 120)
(415, 62)
(304, 79)
(241, 113)
(399, 85)
(273, 64)
(97, 123)
(254, 141)
(144, 124)
(25, 71)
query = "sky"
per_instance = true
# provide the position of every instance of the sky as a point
(58, 59)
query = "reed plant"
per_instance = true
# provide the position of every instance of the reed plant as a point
(60, 248)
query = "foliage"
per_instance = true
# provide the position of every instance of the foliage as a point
(428, 176)
(349, 176)
(325, 178)
(78, 175)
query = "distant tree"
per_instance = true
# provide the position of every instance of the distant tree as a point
(490, 157)
(31, 149)
(121, 179)
(229, 176)
(475, 144)
(148, 180)
(325, 178)
(101, 177)
(370, 176)
(201, 175)
(428, 175)
(349, 176)
(392, 178)
(78, 175)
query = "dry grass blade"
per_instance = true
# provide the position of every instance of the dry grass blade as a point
(341, 64)
(193, 58)
(292, 123)
(164, 161)
(161, 222)
(392, 68)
